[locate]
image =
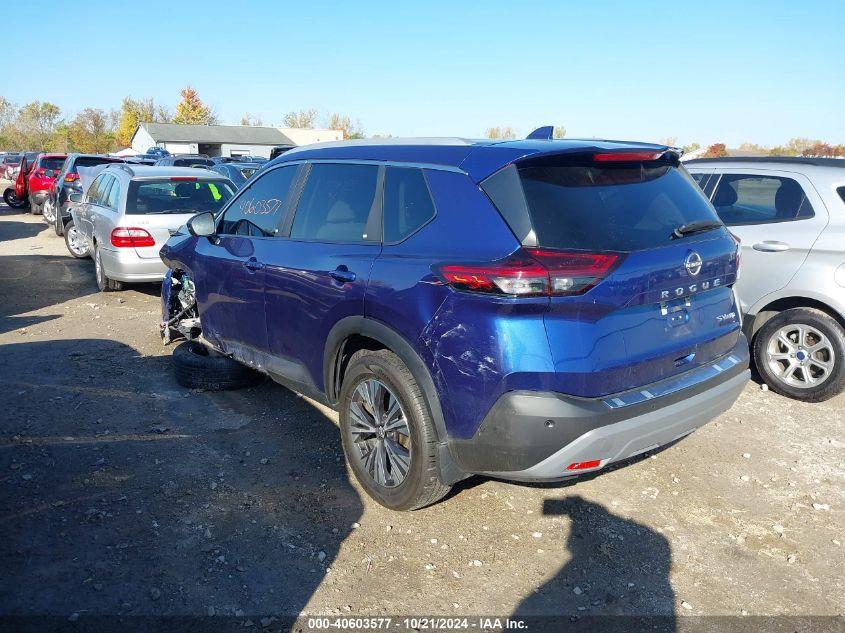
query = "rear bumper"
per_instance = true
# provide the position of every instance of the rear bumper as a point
(535, 436)
(127, 266)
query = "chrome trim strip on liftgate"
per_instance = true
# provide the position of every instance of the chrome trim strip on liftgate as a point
(670, 386)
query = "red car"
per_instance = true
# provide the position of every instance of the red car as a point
(35, 179)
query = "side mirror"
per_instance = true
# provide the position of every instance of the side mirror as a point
(76, 197)
(202, 225)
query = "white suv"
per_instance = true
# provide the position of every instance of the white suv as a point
(790, 215)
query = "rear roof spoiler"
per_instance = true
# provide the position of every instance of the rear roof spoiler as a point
(545, 133)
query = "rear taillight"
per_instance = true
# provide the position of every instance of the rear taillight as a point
(71, 177)
(738, 241)
(131, 237)
(533, 272)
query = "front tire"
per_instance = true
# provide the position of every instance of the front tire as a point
(12, 200)
(34, 207)
(104, 282)
(800, 353)
(76, 242)
(388, 435)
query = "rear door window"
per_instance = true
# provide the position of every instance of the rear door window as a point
(114, 195)
(754, 199)
(259, 210)
(335, 203)
(407, 203)
(98, 188)
(583, 205)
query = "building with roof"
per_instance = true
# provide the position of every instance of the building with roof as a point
(225, 140)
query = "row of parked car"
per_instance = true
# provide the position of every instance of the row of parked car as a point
(529, 310)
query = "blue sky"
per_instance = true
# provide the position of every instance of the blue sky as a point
(698, 71)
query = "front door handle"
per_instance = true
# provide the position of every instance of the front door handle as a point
(253, 265)
(770, 246)
(342, 275)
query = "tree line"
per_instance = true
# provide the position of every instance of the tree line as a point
(41, 126)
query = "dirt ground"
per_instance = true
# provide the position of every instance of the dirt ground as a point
(124, 494)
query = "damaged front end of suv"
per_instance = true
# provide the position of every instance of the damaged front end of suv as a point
(179, 315)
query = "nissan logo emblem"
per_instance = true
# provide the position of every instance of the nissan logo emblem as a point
(693, 263)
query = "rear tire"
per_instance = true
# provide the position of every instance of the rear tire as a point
(800, 353)
(104, 282)
(405, 486)
(197, 367)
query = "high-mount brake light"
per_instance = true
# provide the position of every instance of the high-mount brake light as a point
(131, 237)
(625, 157)
(533, 272)
(183, 179)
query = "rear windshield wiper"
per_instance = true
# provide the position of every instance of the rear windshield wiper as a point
(695, 227)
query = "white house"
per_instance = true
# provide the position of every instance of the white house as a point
(224, 140)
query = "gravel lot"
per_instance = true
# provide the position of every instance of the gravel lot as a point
(125, 494)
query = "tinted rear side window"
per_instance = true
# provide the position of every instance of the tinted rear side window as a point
(335, 203)
(753, 199)
(841, 192)
(613, 207)
(407, 203)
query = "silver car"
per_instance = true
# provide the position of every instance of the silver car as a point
(789, 214)
(129, 212)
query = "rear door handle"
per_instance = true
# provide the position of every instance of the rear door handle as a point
(770, 246)
(342, 275)
(253, 264)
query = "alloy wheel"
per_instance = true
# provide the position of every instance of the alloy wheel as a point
(47, 212)
(380, 433)
(76, 241)
(800, 356)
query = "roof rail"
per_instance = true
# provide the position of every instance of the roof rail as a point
(545, 133)
(125, 167)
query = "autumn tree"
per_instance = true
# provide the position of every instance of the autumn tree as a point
(559, 131)
(192, 111)
(37, 122)
(92, 132)
(351, 129)
(717, 150)
(300, 119)
(134, 112)
(691, 148)
(504, 132)
(248, 119)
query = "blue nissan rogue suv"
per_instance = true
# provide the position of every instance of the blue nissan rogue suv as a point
(529, 310)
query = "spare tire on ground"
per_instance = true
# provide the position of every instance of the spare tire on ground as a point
(198, 367)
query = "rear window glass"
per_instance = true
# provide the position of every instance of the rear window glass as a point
(620, 207)
(90, 161)
(52, 163)
(14, 158)
(190, 162)
(160, 197)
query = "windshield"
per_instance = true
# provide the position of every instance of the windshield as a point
(12, 159)
(614, 207)
(158, 197)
